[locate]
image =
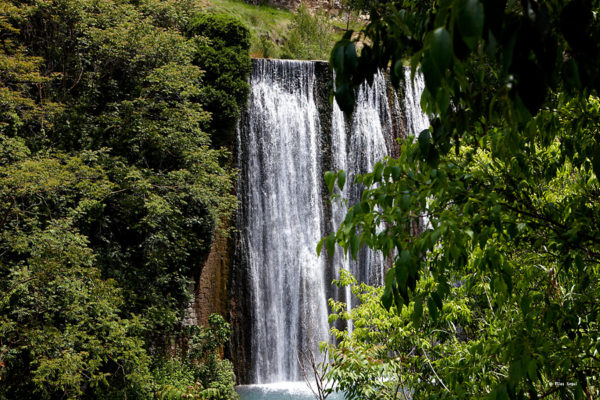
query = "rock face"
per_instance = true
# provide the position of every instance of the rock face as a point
(211, 291)
(240, 313)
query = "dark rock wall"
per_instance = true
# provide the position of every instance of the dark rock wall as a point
(211, 291)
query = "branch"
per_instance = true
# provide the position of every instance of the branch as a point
(548, 393)
(318, 371)
(551, 224)
(435, 373)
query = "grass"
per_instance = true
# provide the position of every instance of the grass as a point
(270, 26)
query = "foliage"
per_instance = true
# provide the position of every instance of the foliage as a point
(272, 28)
(48, 342)
(200, 373)
(364, 364)
(266, 23)
(103, 152)
(506, 180)
(264, 47)
(59, 320)
(309, 35)
(225, 60)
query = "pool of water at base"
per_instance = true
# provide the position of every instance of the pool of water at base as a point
(280, 391)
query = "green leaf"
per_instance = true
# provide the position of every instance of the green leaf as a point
(440, 49)
(350, 60)
(515, 371)
(344, 97)
(378, 172)
(424, 142)
(431, 73)
(399, 68)
(433, 309)
(525, 303)
(442, 99)
(470, 21)
(389, 278)
(578, 392)
(532, 370)
(501, 393)
(331, 244)
(354, 245)
(387, 298)
(365, 207)
(437, 299)
(405, 201)
(320, 246)
(337, 60)
(341, 179)
(507, 276)
(330, 180)
(418, 311)
(402, 274)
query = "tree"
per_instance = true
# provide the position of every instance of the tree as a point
(506, 179)
(119, 78)
(111, 190)
(61, 331)
(360, 362)
(222, 51)
(200, 371)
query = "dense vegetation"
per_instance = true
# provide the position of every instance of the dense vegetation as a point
(310, 35)
(498, 296)
(306, 32)
(115, 122)
(111, 189)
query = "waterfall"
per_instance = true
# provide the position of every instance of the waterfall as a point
(416, 120)
(282, 172)
(356, 149)
(288, 137)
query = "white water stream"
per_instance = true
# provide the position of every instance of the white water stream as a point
(283, 218)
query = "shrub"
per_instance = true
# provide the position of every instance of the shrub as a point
(199, 372)
(222, 52)
(310, 35)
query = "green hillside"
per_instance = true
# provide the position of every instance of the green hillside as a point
(278, 32)
(263, 21)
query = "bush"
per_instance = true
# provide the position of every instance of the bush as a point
(199, 372)
(310, 36)
(264, 47)
(60, 329)
(222, 29)
(222, 52)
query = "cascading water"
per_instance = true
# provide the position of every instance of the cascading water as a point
(284, 213)
(416, 120)
(282, 175)
(356, 150)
